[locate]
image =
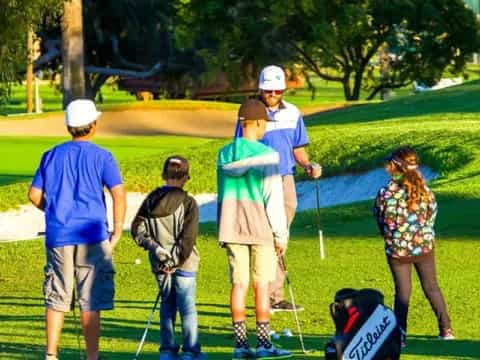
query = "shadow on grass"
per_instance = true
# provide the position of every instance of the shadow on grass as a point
(431, 347)
(30, 302)
(216, 341)
(7, 179)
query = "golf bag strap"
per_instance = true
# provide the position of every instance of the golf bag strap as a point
(352, 319)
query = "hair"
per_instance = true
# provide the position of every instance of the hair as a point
(79, 131)
(175, 167)
(405, 160)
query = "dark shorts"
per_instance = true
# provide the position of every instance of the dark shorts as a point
(90, 267)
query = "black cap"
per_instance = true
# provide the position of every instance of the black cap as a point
(252, 109)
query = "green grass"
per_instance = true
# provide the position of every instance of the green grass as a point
(354, 259)
(21, 156)
(444, 126)
(52, 98)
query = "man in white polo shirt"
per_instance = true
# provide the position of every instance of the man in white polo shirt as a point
(287, 135)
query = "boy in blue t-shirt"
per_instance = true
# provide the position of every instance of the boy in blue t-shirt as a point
(68, 187)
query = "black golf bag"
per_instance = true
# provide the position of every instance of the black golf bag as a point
(365, 328)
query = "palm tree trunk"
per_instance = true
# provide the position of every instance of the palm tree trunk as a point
(72, 52)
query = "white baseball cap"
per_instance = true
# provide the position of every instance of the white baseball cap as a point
(81, 112)
(272, 78)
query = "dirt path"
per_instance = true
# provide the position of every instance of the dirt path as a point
(204, 123)
(207, 123)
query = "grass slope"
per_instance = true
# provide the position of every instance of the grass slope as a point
(447, 137)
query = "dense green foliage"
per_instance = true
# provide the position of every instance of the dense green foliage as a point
(338, 41)
(177, 45)
(17, 17)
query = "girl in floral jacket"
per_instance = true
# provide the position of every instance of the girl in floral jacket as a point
(405, 210)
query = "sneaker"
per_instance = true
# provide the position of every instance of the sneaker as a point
(194, 356)
(284, 306)
(51, 357)
(446, 334)
(272, 353)
(168, 355)
(243, 353)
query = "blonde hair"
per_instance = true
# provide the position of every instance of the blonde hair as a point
(405, 160)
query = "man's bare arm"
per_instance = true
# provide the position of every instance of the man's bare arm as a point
(301, 157)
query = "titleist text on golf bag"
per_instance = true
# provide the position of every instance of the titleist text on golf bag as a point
(365, 328)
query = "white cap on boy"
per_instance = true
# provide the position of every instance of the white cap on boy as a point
(81, 112)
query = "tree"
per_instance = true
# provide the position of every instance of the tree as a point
(231, 36)
(73, 78)
(17, 18)
(124, 38)
(339, 40)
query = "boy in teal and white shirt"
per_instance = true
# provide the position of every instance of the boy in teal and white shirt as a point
(252, 225)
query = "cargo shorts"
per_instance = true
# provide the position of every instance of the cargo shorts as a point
(260, 260)
(90, 267)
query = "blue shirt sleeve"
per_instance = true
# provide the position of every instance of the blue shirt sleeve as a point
(39, 178)
(111, 174)
(300, 137)
(238, 131)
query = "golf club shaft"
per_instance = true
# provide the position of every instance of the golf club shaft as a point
(320, 240)
(77, 329)
(150, 317)
(292, 299)
(319, 228)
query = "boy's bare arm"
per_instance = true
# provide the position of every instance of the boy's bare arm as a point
(119, 209)
(36, 197)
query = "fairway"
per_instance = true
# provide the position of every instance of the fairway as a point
(354, 259)
(443, 126)
(22, 154)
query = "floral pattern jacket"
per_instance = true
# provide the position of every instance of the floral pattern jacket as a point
(406, 233)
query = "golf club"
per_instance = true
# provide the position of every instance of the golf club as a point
(150, 317)
(292, 299)
(319, 228)
(77, 328)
